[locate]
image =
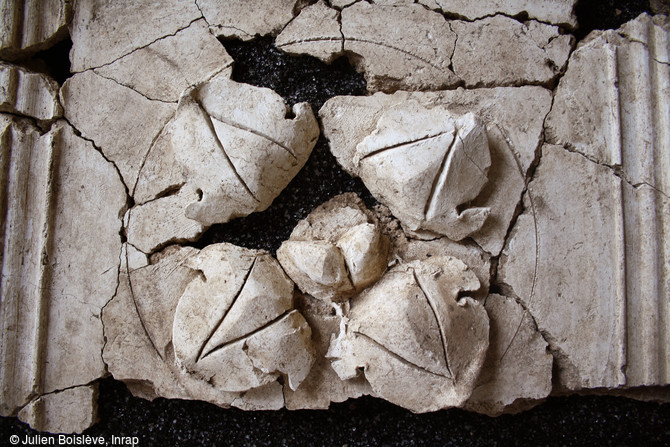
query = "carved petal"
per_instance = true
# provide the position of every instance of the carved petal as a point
(424, 164)
(420, 346)
(238, 148)
(242, 300)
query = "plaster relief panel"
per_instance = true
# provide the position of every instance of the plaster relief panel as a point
(518, 246)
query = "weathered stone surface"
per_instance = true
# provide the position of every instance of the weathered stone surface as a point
(406, 46)
(424, 191)
(323, 386)
(559, 12)
(69, 411)
(58, 191)
(499, 51)
(612, 106)
(161, 222)
(104, 31)
(103, 110)
(337, 251)
(138, 324)
(29, 94)
(478, 261)
(234, 326)
(418, 344)
(167, 67)
(398, 47)
(517, 371)
(228, 152)
(316, 31)
(240, 152)
(28, 26)
(246, 19)
(565, 262)
(513, 119)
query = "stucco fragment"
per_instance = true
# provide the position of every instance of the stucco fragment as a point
(104, 31)
(315, 31)
(160, 222)
(517, 371)
(246, 19)
(478, 261)
(239, 152)
(29, 94)
(228, 152)
(69, 411)
(161, 175)
(397, 47)
(234, 325)
(564, 260)
(103, 110)
(417, 344)
(513, 118)
(27, 26)
(138, 324)
(167, 67)
(612, 106)
(425, 191)
(323, 386)
(337, 251)
(58, 190)
(502, 51)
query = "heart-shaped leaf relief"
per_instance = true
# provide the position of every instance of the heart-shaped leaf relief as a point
(235, 325)
(419, 345)
(425, 164)
(238, 148)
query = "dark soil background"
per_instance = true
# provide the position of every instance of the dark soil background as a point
(575, 420)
